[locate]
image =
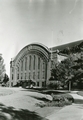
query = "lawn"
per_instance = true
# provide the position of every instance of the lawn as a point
(80, 93)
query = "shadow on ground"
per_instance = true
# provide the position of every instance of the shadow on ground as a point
(11, 113)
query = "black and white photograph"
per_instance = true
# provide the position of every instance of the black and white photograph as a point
(41, 59)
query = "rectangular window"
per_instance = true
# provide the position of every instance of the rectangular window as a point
(12, 77)
(25, 76)
(29, 76)
(18, 69)
(17, 76)
(33, 75)
(38, 62)
(43, 65)
(29, 62)
(12, 69)
(25, 63)
(43, 74)
(12, 84)
(34, 62)
(22, 65)
(21, 75)
(38, 75)
(43, 84)
(37, 83)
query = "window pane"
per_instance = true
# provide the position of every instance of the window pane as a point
(25, 63)
(38, 75)
(38, 63)
(34, 63)
(33, 75)
(22, 65)
(29, 75)
(21, 75)
(37, 83)
(30, 63)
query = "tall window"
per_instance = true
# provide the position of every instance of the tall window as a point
(43, 65)
(25, 63)
(38, 75)
(37, 83)
(12, 76)
(34, 63)
(21, 75)
(25, 76)
(12, 69)
(17, 76)
(22, 65)
(43, 74)
(18, 69)
(38, 62)
(30, 62)
(29, 76)
(33, 75)
(43, 84)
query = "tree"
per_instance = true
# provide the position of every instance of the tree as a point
(5, 79)
(63, 73)
(78, 67)
(2, 68)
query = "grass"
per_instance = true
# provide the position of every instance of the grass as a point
(10, 113)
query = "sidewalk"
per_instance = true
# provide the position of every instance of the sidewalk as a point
(77, 98)
(72, 112)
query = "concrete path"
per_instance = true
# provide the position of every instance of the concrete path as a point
(72, 112)
(77, 98)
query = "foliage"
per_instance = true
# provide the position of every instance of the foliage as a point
(63, 72)
(5, 79)
(2, 68)
(74, 49)
(25, 83)
(54, 85)
(58, 101)
(70, 69)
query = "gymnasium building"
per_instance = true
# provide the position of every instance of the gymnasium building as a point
(35, 61)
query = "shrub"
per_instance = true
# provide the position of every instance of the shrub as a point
(58, 101)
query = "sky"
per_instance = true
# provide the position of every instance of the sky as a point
(50, 22)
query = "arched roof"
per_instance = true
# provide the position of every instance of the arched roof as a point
(32, 44)
(38, 44)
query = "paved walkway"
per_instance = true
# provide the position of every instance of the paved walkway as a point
(77, 98)
(72, 112)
